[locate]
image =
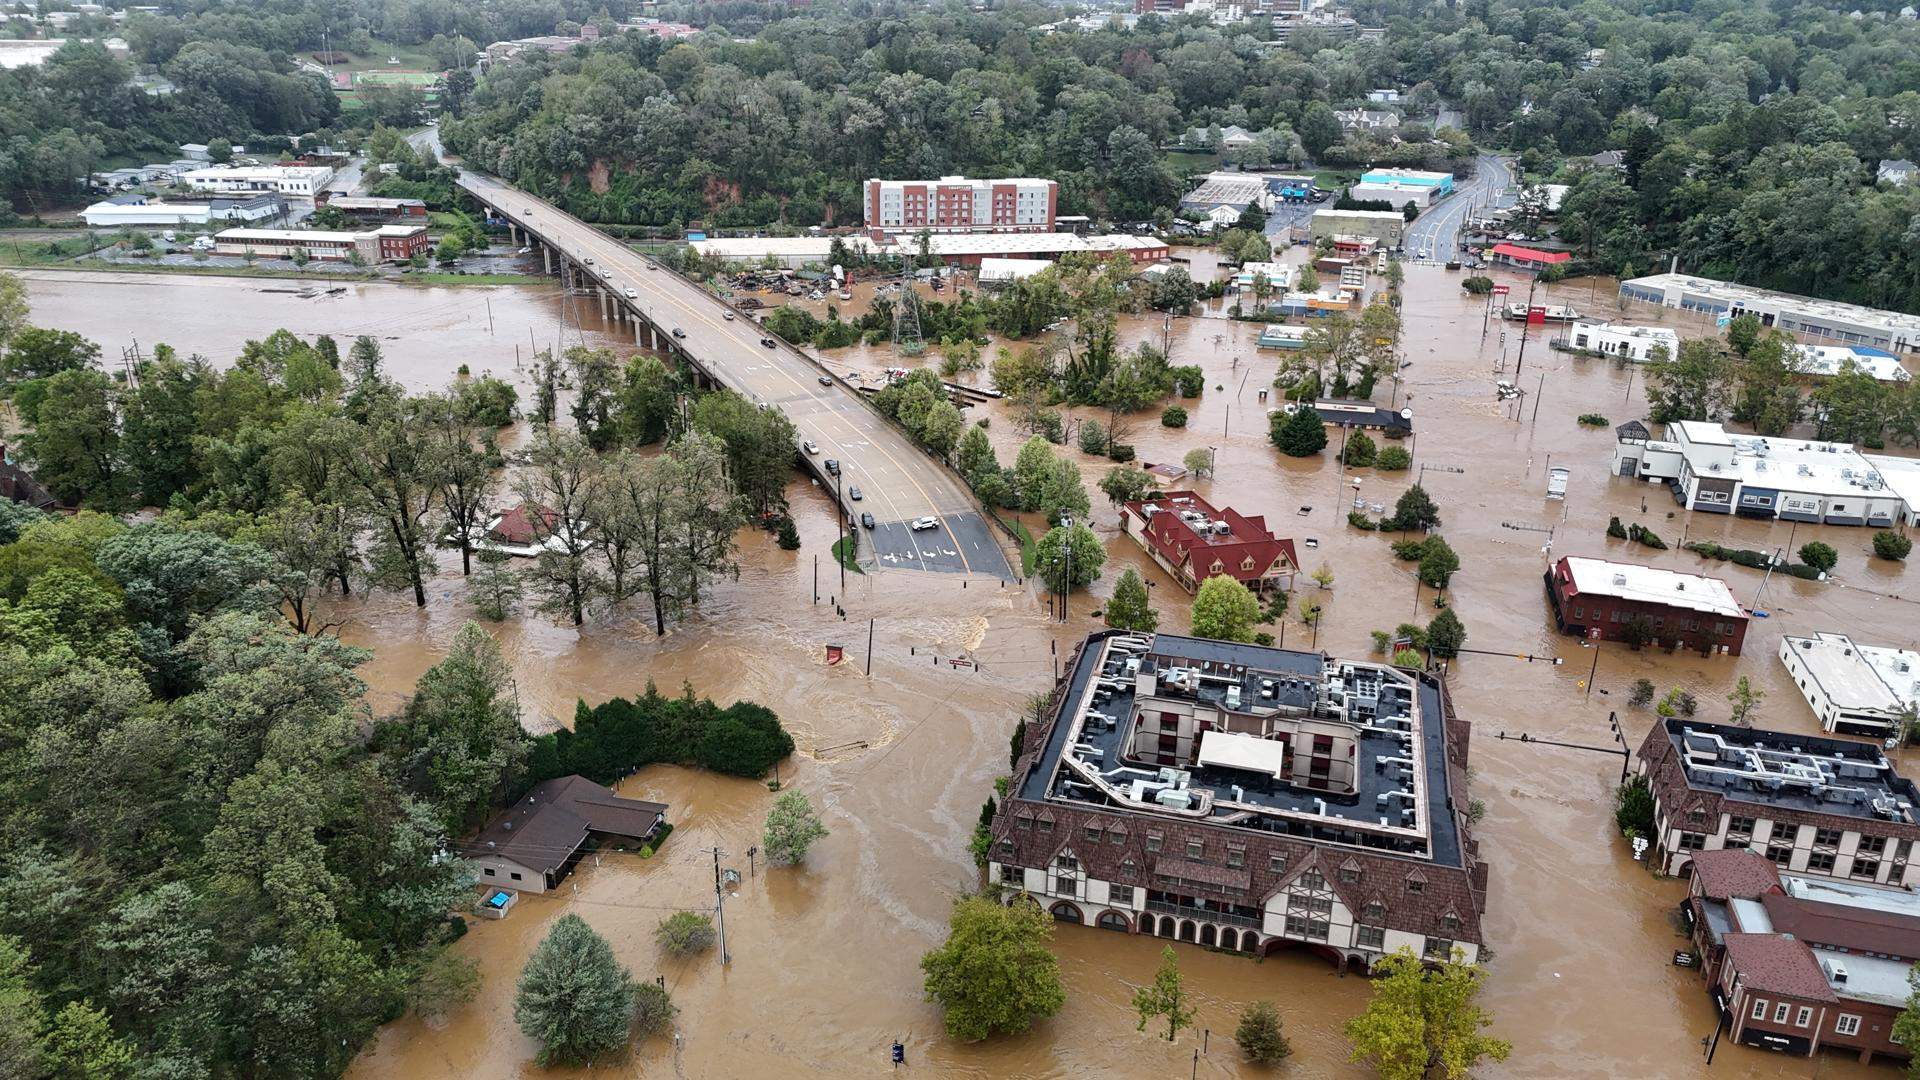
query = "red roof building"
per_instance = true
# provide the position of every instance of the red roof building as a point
(1193, 541)
(1526, 257)
(516, 526)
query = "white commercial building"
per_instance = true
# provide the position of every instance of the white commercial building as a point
(1635, 343)
(293, 181)
(1715, 471)
(1826, 361)
(1280, 276)
(1005, 271)
(954, 249)
(1828, 320)
(1397, 194)
(125, 210)
(1902, 477)
(1856, 689)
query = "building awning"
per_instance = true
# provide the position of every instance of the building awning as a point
(1530, 255)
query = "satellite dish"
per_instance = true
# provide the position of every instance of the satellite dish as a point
(1406, 414)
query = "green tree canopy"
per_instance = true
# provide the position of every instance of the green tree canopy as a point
(994, 974)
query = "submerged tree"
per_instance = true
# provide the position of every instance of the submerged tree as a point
(574, 998)
(994, 974)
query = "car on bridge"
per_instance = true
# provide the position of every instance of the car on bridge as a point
(767, 341)
(867, 520)
(833, 467)
(809, 448)
(855, 494)
(925, 523)
(679, 333)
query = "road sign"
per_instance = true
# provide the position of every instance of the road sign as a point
(835, 653)
(1502, 290)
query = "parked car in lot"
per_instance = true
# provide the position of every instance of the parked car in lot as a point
(925, 523)
(854, 493)
(833, 467)
(867, 520)
(808, 448)
(677, 332)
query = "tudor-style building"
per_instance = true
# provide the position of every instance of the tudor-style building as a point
(1193, 541)
(1247, 798)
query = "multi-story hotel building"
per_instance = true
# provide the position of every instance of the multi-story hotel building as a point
(956, 204)
(1811, 805)
(1246, 798)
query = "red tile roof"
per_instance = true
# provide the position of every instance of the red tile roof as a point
(1532, 255)
(1731, 872)
(1774, 964)
(1180, 544)
(516, 525)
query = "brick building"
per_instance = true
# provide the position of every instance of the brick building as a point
(1797, 964)
(1193, 541)
(388, 243)
(1813, 806)
(1613, 601)
(956, 204)
(1247, 798)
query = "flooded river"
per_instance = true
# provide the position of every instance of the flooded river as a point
(825, 957)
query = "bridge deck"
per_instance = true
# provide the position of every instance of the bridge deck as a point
(899, 480)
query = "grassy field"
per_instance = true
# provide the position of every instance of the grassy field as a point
(411, 57)
(847, 552)
(1028, 551)
(1187, 162)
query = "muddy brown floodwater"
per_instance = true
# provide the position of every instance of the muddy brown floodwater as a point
(825, 973)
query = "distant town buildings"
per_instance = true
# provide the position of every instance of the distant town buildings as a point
(1854, 689)
(1614, 601)
(1829, 321)
(1281, 336)
(1193, 541)
(1711, 469)
(961, 249)
(1367, 120)
(1247, 798)
(1635, 343)
(388, 243)
(1812, 805)
(1799, 963)
(955, 204)
(1525, 258)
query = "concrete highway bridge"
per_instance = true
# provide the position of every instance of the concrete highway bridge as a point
(899, 481)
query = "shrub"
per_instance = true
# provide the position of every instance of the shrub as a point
(1360, 450)
(1803, 571)
(1820, 556)
(1642, 695)
(1633, 807)
(1392, 459)
(1645, 537)
(1093, 437)
(684, 933)
(1615, 529)
(1478, 285)
(1121, 452)
(1592, 419)
(1258, 1034)
(1891, 545)
(1409, 550)
(1360, 521)
(1173, 417)
(789, 536)
(1188, 380)
(612, 739)
(1407, 658)
(1300, 434)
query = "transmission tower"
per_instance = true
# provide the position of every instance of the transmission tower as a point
(907, 338)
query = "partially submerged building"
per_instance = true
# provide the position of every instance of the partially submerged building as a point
(1612, 601)
(1246, 798)
(1823, 321)
(1711, 469)
(1635, 343)
(1854, 689)
(534, 844)
(1828, 807)
(1193, 541)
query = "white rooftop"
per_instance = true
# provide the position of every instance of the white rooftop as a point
(1749, 297)
(1797, 465)
(1848, 678)
(1901, 475)
(1231, 750)
(1869, 978)
(1653, 585)
(1649, 333)
(1011, 269)
(297, 235)
(1853, 894)
(1826, 360)
(942, 244)
(259, 172)
(1362, 215)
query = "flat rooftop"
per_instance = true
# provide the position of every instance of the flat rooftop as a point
(1653, 333)
(1748, 297)
(944, 244)
(1361, 215)
(1226, 191)
(1793, 771)
(1400, 798)
(1848, 678)
(1799, 465)
(1827, 360)
(1649, 584)
(1901, 475)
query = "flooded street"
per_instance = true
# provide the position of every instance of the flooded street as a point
(825, 957)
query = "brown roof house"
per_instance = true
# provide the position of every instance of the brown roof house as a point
(535, 844)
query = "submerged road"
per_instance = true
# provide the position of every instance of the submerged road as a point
(899, 480)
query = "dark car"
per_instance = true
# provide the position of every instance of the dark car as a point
(833, 466)
(677, 332)
(767, 341)
(826, 380)
(867, 520)
(854, 494)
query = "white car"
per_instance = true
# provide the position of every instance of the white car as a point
(809, 448)
(925, 523)
(631, 295)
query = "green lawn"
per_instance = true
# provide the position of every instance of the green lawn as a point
(847, 552)
(1028, 551)
(1189, 162)
(411, 57)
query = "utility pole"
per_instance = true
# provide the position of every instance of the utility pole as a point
(840, 553)
(1536, 398)
(1524, 327)
(869, 648)
(1066, 579)
(720, 905)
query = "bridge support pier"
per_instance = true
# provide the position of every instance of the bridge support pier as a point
(513, 233)
(606, 306)
(546, 257)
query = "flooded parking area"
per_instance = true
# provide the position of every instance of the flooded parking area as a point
(825, 957)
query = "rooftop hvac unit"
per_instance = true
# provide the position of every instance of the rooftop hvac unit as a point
(1620, 580)
(1174, 798)
(1836, 972)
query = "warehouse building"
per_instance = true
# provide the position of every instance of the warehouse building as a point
(1827, 322)
(1853, 689)
(388, 243)
(293, 181)
(1719, 472)
(1635, 343)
